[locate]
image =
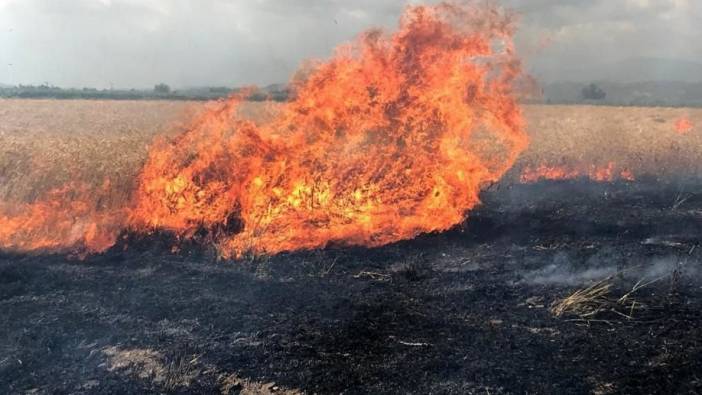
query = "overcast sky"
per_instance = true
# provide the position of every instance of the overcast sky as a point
(137, 43)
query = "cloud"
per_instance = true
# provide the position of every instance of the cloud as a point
(137, 43)
(601, 31)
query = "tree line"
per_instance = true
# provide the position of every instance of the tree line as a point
(160, 91)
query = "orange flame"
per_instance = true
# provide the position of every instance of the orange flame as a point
(74, 218)
(393, 137)
(606, 173)
(683, 125)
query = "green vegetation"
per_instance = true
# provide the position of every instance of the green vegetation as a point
(593, 92)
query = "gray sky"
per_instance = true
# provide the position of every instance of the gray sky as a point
(137, 43)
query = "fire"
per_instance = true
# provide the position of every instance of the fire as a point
(683, 125)
(74, 218)
(381, 144)
(608, 173)
(392, 137)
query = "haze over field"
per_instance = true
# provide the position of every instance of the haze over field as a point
(130, 43)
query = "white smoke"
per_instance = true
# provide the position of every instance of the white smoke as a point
(564, 271)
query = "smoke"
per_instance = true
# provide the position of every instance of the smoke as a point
(566, 271)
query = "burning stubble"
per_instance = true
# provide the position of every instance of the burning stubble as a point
(392, 137)
(608, 173)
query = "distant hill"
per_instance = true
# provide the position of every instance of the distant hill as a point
(627, 71)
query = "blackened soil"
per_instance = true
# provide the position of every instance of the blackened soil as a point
(466, 311)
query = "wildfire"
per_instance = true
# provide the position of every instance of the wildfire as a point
(683, 125)
(392, 137)
(606, 173)
(74, 217)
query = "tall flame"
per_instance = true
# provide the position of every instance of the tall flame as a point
(392, 137)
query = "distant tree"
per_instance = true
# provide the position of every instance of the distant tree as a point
(593, 92)
(162, 89)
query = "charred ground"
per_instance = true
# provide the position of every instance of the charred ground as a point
(466, 311)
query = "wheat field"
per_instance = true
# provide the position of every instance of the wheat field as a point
(46, 143)
(643, 140)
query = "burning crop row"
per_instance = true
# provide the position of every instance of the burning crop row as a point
(607, 173)
(392, 137)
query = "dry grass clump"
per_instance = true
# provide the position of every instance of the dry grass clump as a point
(233, 384)
(179, 372)
(596, 302)
(585, 302)
(142, 363)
